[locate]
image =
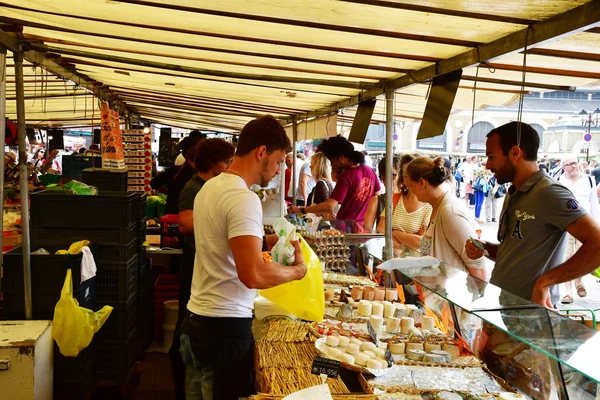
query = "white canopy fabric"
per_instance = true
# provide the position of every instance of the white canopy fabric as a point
(216, 65)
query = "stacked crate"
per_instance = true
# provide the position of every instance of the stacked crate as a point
(114, 221)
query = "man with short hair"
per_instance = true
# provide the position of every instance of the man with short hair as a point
(467, 170)
(211, 157)
(584, 188)
(537, 213)
(216, 342)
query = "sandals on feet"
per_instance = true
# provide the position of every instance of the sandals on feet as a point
(567, 299)
(581, 290)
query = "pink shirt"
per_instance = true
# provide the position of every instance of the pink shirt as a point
(354, 190)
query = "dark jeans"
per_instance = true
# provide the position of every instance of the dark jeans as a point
(185, 279)
(223, 349)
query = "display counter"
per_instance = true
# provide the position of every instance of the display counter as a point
(502, 346)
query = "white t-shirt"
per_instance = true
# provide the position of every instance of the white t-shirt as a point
(584, 191)
(296, 172)
(310, 185)
(468, 170)
(225, 208)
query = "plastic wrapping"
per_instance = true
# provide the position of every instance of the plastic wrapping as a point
(283, 251)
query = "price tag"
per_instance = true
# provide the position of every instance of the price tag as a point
(326, 366)
(389, 358)
(372, 332)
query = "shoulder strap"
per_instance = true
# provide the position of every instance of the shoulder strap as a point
(395, 199)
(590, 179)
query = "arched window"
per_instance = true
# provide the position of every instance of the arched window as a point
(437, 143)
(476, 138)
(540, 131)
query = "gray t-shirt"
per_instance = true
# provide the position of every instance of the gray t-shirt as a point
(310, 185)
(186, 201)
(532, 234)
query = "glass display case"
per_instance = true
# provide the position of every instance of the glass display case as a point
(538, 351)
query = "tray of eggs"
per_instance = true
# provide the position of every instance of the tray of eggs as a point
(355, 354)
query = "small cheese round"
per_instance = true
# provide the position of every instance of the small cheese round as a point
(388, 309)
(368, 346)
(356, 341)
(434, 358)
(347, 358)
(332, 341)
(414, 332)
(397, 348)
(369, 353)
(415, 355)
(451, 348)
(374, 364)
(334, 353)
(377, 309)
(429, 347)
(361, 359)
(414, 346)
(376, 323)
(343, 341)
(379, 352)
(353, 349)
(364, 308)
(443, 353)
(379, 294)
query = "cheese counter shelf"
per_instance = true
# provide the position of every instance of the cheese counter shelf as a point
(449, 336)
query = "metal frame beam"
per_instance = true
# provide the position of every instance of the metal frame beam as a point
(576, 20)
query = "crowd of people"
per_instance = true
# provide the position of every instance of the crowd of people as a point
(547, 232)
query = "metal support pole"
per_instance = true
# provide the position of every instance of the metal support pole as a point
(294, 166)
(389, 165)
(23, 181)
(2, 141)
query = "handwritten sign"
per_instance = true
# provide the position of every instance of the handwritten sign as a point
(325, 366)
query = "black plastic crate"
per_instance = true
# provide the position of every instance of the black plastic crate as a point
(105, 179)
(116, 362)
(73, 165)
(48, 274)
(75, 377)
(121, 326)
(117, 282)
(109, 253)
(60, 209)
(140, 206)
(52, 236)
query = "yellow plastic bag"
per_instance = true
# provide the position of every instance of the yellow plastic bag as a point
(304, 298)
(75, 248)
(73, 326)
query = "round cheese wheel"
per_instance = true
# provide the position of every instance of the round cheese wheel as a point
(429, 347)
(356, 341)
(415, 355)
(334, 353)
(347, 358)
(353, 349)
(361, 359)
(443, 353)
(414, 346)
(332, 341)
(433, 358)
(365, 308)
(374, 364)
(343, 341)
(397, 348)
(369, 353)
(368, 346)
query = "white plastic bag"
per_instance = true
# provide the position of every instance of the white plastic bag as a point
(283, 251)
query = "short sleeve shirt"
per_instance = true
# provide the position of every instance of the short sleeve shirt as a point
(310, 185)
(186, 200)
(532, 234)
(354, 189)
(224, 209)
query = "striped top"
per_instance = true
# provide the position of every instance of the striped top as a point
(410, 222)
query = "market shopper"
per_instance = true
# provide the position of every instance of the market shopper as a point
(450, 224)
(377, 203)
(320, 169)
(410, 217)
(537, 213)
(306, 184)
(354, 187)
(584, 188)
(212, 157)
(216, 342)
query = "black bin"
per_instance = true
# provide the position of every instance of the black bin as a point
(60, 209)
(48, 274)
(105, 179)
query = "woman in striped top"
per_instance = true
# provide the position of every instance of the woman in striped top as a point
(410, 217)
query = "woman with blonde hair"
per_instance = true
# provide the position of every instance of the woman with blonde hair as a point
(410, 217)
(450, 225)
(320, 168)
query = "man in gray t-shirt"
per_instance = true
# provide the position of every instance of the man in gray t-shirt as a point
(537, 213)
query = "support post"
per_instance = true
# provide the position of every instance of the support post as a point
(23, 181)
(294, 162)
(389, 165)
(2, 140)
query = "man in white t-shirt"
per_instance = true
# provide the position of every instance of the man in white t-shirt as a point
(583, 188)
(467, 170)
(216, 342)
(306, 184)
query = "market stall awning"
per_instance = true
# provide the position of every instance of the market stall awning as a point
(216, 65)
